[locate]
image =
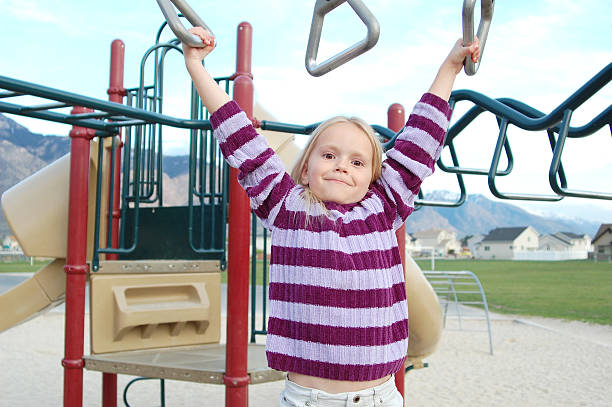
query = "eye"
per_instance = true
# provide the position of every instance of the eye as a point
(328, 156)
(358, 163)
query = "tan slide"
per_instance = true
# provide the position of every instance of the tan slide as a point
(36, 210)
(425, 314)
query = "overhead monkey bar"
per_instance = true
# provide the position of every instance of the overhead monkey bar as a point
(322, 7)
(513, 112)
(486, 15)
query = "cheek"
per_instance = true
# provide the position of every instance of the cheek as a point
(365, 180)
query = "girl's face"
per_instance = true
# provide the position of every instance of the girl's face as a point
(339, 168)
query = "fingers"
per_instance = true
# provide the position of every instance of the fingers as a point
(204, 35)
(473, 50)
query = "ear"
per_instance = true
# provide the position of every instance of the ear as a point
(304, 175)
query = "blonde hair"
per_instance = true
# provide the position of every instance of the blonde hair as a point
(377, 150)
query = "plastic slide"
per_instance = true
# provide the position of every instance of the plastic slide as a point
(36, 210)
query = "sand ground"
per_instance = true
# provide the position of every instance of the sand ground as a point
(536, 362)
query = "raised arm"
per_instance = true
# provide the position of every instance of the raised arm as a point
(442, 86)
(211, 94)
(420, 142)
(262, 173)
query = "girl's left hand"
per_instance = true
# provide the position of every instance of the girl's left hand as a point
(457, 55)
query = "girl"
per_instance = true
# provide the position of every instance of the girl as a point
(338, 319)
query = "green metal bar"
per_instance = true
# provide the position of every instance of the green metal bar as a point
(95, 263)
(556, 163)
(9, 94)
(561, 173)
(287, 128)
(55, 117)
(47, 106)
(253, 274)
(88, 116)
(540, 123)
(109, 236)
(74, 99)
(493, 170)
(162, 389)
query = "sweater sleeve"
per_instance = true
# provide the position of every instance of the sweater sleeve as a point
(261, 172)
(416, 150)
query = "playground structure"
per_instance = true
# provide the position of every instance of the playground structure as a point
(164, 298)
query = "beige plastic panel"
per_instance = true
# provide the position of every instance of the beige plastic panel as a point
(130, 312)
(424, 311)
(36, 209)
(200, 364)
(158, 266)
(42, 291)
(283, 144)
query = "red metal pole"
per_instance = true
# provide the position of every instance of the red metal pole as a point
(395, 121)
(236, 378)
(116, 91)
(76, 267)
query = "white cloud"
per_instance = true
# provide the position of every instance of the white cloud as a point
(33, 11)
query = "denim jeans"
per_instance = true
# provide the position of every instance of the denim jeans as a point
(384, 395)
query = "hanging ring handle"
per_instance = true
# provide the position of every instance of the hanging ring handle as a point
(322, 7)
(175, 25)
(486, 15)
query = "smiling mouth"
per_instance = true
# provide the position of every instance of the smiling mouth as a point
(338, 181)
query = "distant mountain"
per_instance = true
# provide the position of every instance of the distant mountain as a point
(23, 153)
(480, 215)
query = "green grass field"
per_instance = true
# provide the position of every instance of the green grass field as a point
(573, 290)
(21, 266)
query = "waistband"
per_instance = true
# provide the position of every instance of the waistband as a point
(385, 391)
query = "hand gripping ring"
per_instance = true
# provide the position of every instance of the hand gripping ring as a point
(175, 25)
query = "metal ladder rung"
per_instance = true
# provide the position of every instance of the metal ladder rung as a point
(46, 106)
(85, 116)
(9, 94)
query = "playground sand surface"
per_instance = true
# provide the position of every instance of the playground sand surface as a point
(536, 362)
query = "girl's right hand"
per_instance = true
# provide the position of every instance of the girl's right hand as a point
(197, 54)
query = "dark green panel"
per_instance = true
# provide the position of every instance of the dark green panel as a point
(163, 233)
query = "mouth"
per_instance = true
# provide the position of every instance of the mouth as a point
(339, 181)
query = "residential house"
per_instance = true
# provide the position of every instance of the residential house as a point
(563, 246)
(602, 243)
(413, 245)
(579, 242)
(9, 243)
(472, 242)
(510, 243)
(442, 242)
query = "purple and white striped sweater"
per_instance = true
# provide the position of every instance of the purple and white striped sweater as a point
(338, 305)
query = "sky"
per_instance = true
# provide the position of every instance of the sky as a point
(538, 52)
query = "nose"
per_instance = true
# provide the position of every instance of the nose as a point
(341, 166)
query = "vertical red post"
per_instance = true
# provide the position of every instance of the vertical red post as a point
(236, 378)
(76, 267)
(395, 121)
(116, 92)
